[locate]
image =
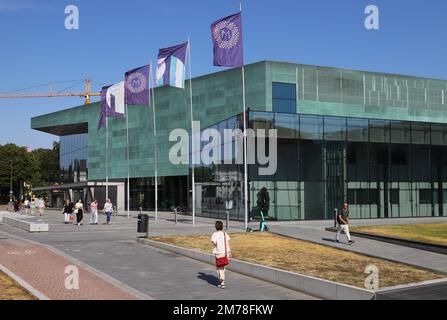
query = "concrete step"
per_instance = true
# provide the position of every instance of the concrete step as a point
(30, 224)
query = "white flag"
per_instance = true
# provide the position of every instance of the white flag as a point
(115, 97)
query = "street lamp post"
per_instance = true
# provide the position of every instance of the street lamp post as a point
(10, 189)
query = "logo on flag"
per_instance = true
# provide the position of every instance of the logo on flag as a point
(171, 66)
(136, 83)
(226, 35)
(137, 86)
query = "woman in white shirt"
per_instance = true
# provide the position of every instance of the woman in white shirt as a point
(108, 210)
(41, 207)
(221, 242)
(27, 206)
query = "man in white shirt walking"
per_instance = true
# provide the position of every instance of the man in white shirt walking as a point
(343, 224)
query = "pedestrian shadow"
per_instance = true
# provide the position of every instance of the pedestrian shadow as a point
(212, 280)
(328, 240)
(180, 220)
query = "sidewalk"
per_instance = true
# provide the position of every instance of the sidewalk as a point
(44, 270)
(153, 272)
(416, 257)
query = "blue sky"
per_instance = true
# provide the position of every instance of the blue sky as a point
(116, 36)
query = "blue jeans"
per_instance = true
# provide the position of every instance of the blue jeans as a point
(109, 216)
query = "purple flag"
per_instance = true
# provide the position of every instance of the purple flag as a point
(137, 87)
(171, 66)
(226, 34)
(109, 105)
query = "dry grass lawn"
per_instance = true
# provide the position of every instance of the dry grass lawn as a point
(307, 258)
(430, 233)
(10, 290)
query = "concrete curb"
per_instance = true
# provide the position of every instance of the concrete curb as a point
(23, 283)
(309, 285)
(412, 285)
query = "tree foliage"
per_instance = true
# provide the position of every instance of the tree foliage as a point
(29, 169)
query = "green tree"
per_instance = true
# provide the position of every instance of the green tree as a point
(29, 169)
(47, 161)
(23, 167)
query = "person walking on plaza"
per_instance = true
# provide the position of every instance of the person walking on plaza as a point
(94, 212)
(16, 205)
(33, 207)
(26, 204)
(222, 252)
(41, 205)
(79, 212)
(108, 210)
(67, 211)
(343, 224)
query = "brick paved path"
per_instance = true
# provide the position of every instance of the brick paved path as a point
(44, 270)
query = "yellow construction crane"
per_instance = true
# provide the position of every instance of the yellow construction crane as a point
(87, 94)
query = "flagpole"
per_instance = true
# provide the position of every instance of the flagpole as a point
(192, 138)
(155, 141)
(245, 145)
(128, 162)
(107, 157)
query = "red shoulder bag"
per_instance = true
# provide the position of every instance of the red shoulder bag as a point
(223, 262)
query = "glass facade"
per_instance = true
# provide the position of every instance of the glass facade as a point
(384, 169)
(73, 158)
(172, 192)
(218, 183)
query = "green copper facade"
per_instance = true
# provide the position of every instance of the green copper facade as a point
(320, 91)
(215, 97)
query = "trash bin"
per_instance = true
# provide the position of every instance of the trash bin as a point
(143, 223)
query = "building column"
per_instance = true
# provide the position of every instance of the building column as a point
(120, 198)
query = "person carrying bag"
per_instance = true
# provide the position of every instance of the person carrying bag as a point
(222, 252)
(67, 211)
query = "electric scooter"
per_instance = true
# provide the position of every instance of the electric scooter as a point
(263, 227)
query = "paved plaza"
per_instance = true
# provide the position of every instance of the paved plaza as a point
(116, 266)
(113, 252)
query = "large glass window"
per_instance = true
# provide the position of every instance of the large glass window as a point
(439, 134)
(400, 132)
(287, 125)
(221, 182)
(384, 169)
(73, 158)
(358, 130)
(334, 129)
(379, 131)
(311, 127)
(284, 97)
